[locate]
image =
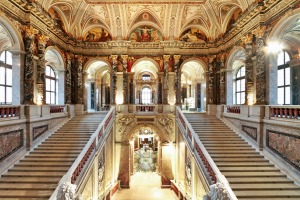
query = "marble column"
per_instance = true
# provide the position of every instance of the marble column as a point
(31, 50)
(68, 84)
(79, 85)
(131, 88)
(229, 84)
(249, 75)
(260, 69)
(18, 72)
(166, 79)
(160, 87)
(177, 81)
(125, 79)
(210, 81)
(295, 81)
(114, 79)
(222, 81)
(40, 81)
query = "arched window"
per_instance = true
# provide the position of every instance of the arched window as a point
(146, 95)
(50, 85)
(6, 78)
(283, 78)
(146, 77)
(240, 86)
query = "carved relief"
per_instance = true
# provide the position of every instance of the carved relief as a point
(123, 122)
(167, 123)
(67, 191)
(217, 192)
(101, 170)
(188, 173)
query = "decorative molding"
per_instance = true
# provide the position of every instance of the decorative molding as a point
(250, 131)
(285, 145)
(38, 131)
(11, 141)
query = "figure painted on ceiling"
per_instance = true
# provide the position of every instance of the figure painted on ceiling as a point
(145, 34)
(97, 35)
(193, 35)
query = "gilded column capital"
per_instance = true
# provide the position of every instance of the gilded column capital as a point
(79, 57)
(247, 39)
(124, 58)
(30, 32)
(166, 57)
(177, 57)
(43, 39)
(260, 31)
(114, 57)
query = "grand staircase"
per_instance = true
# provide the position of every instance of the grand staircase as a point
(37, 175)
(250, 175)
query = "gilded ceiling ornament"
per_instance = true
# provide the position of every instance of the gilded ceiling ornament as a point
(177, 57)
(124, 58)
(114, 57)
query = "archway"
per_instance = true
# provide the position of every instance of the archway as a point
(12, 42)
(284, 39)
(234, 62)
(193, 86)
(55, 60)
(145, 76)
(97, 85)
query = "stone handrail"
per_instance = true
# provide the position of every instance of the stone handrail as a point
(201, 154)
(57, 108)
(9, 111)
(76, 171)
(289, 112)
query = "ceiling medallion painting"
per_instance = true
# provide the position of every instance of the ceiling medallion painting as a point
(145, 34)
(97, 35)
(193, 35)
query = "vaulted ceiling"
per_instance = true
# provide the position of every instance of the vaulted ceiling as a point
(103, 20)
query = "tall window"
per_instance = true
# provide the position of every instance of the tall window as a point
(240, 86)
(146, 95)
(283, 78)
(6, 78)
(50, 86)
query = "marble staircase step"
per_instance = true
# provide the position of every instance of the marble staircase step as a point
(263, 186)
(249, 169)
(25, 193)
(253, 174)
(27, 186)
(268, 193)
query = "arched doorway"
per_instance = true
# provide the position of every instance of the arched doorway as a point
(97, 86)
(145, 82)
(193, 86)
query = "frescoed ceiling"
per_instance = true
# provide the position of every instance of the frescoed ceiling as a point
(105, 20)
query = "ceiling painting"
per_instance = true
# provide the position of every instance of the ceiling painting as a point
(145, 34)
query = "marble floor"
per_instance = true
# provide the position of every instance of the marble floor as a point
(145, 186)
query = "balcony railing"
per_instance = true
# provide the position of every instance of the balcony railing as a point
(289, 112)
(234, 109)
(57, 109)
(145, 108)
(9, 111)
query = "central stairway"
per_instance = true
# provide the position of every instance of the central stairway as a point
(250, 175)
(37, 175)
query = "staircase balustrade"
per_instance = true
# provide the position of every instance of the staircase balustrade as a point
(202, 157)
(145, 108)
(83, 161)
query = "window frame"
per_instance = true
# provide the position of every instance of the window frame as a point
(283, 67)
(51, 78)
(236, 80)
(150, 95)
(5, 85)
